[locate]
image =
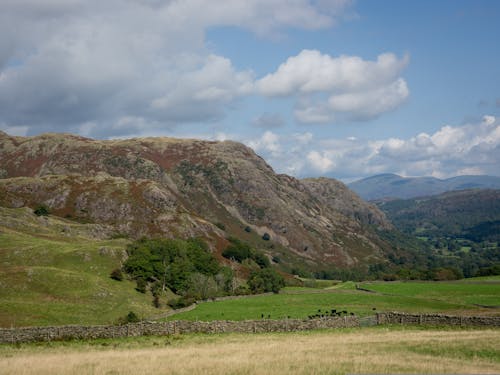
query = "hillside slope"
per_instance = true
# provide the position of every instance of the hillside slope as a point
(56, 271)
(461, 227)
(179, 187)
(451, 214)
(394, 186)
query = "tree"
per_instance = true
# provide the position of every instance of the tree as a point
(265, 280)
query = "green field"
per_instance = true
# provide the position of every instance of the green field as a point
(430, 297)
(471, 293)
(53, 272)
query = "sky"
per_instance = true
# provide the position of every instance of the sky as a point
(338, 88)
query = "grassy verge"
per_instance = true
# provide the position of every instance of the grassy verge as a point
(381, 350)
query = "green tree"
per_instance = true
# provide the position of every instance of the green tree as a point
(265, 280)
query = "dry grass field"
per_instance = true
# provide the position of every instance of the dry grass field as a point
(368, 350)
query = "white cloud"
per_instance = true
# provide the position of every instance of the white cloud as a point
(320, 161)
(269, 142)
(357, 89)
(452, 150)
(67, 63)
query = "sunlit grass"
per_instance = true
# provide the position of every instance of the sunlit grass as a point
(377, 350)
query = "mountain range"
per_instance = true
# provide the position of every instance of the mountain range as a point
(394, 186)
(164, 187)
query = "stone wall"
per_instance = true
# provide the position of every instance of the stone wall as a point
(30, 334)
(437, 319)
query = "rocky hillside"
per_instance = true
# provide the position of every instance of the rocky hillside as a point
(179, 187)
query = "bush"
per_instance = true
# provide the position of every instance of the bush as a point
(179, 303)
(41, 210)
(238, 250)
(116, 274)
(221, 226)
(261, 259)
(131, 317)
(141, 285)
(265, 280)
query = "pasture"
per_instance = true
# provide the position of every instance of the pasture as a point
(411, 297)
(380, 350)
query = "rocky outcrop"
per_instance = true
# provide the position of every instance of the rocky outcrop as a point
(169, 187)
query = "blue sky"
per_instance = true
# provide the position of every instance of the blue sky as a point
(338, 88)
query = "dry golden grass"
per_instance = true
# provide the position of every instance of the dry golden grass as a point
(327, 352)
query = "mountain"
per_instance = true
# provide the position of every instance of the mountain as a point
(451, 214)
(394, 186)
(182, 188)
(462, 228)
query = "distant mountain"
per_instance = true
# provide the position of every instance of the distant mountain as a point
(461, 227)
(452, 214)
(394, 186)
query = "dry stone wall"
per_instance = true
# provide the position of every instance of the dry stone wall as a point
(438, 319)
(30, 334)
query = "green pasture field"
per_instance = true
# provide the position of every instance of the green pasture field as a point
(468, 293)
(431, 297)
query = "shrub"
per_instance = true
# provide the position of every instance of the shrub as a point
(116, 274)
(132, 317)
(41, 210)
(179, 303)
(221, 226)
(261, 259)
(141, 285)
(265, 280)
(238, 250)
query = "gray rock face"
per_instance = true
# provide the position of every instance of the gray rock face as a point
(170, 187)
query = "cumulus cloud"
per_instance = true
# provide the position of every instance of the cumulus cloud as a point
(356, 88)
(268, 143)
(67, 64)
(452, 150)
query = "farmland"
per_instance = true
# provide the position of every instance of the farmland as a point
(368, 350)
(429, 297)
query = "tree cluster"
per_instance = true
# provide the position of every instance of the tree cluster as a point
(184, 266)
(240, 251)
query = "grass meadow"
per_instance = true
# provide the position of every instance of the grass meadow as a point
(379, 350)
(417, 297)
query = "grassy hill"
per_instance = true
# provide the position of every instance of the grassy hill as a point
(55, 271)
